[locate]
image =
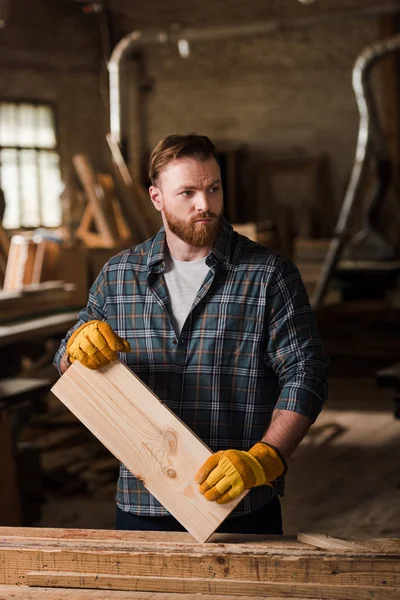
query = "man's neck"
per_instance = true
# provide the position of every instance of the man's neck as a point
(183, 251)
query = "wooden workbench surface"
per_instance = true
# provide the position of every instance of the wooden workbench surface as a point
(173, 566)
(22, 592)
(156, 541)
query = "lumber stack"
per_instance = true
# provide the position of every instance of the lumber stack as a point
(36, 299)
(71, 459)
(171, 566)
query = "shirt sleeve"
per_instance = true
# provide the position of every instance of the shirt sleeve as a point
(94, 309)
(294, 349)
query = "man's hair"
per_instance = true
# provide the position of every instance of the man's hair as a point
(190, 145)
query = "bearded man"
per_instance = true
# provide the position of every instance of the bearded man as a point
(220, 329)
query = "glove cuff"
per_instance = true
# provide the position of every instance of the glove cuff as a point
(270, 458)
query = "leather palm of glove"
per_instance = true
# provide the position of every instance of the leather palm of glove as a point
(95, 344)
(227, 473)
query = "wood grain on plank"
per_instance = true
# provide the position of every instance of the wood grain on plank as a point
(241, 561)
(23, 592)
(327, 542)
(147, 437)
(208, 585)
(172, 541)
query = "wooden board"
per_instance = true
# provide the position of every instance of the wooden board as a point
(327, 542)
(147, 438)
(23, 592)
(47, 256)
(37, 328)
(35, 300)
(197, 585)
(142, 218)
(98, 199)
(231, 565)
(20, 262)
(18, 386)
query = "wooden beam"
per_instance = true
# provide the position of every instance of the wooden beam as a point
(23, 592)
(143, 220)
(327, 542)
(196, 585)
(20, 263)
(98, 198)
(34, 300)
(147, 437)
(59, 555)
(47, 256)
(37, 328)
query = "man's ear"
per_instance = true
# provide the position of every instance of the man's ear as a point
(156, 197)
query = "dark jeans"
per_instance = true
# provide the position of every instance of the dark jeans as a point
(267, 519)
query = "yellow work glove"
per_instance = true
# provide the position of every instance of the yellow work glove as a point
(227, 473)
(95, 344)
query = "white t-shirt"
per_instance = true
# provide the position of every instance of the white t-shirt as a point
(183, 279)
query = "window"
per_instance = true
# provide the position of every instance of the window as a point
(29, 166)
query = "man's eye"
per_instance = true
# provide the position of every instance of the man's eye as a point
(187, 193)
(214, 189)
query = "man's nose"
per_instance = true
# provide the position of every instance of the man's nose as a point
(202, 202)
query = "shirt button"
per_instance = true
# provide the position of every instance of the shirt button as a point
(174, 342)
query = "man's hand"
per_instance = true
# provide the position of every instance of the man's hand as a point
(95, 344)
(227, 473)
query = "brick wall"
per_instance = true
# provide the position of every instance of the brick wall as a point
(50, 52)
(288, 93)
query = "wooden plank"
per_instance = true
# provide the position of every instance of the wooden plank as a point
(147, 438)
(208, 585)
(177, 541)
(175, 556)
(16, 386)
(20, 262)
(21, 304)
(22, 592)
(35, 328)
(102, 213)
(141, 217)
(322, 570)
(94, 240)
(46, 260)
(327, 542)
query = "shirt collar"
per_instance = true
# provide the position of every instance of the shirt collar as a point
(220, 253)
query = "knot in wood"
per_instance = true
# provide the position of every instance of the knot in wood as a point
(170, 441)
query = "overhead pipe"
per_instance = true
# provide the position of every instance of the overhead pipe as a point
(369, 134)
(139, 39)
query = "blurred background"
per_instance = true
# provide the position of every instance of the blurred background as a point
(302, 100)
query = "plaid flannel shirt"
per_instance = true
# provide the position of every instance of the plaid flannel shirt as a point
(249, 345)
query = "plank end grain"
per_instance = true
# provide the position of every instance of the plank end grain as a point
(147, 437)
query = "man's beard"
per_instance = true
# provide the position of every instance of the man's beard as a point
(192, 233)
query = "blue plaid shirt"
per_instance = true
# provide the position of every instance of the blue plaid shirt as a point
(249, 345)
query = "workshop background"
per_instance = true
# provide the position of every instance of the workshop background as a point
(271, 83)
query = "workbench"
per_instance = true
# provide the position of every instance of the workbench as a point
(78, 564)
